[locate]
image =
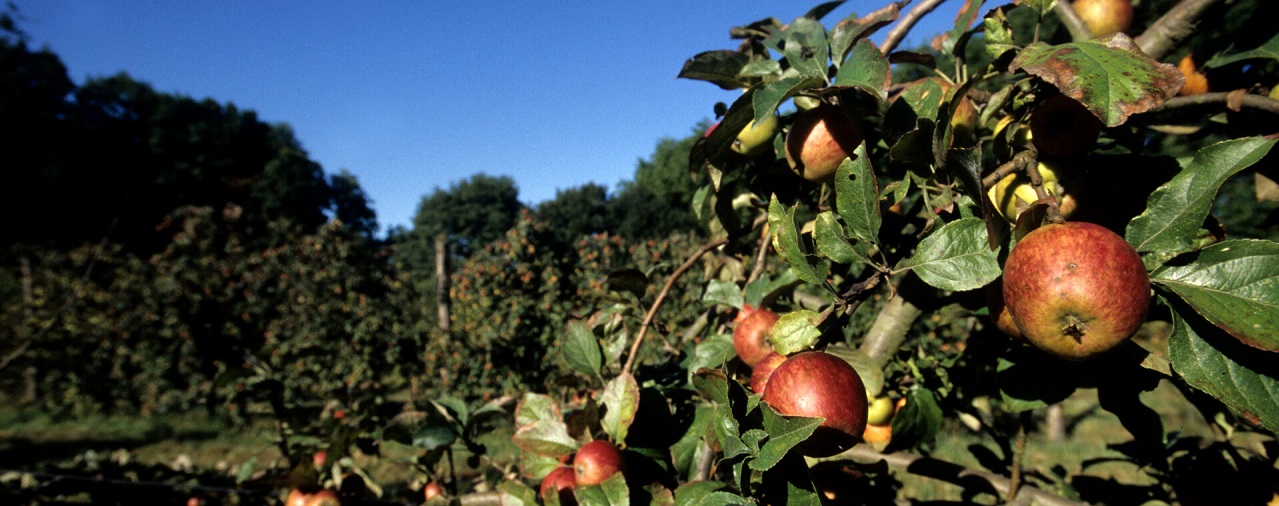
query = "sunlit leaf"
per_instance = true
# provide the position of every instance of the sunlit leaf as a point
(581, 349)
(828, 234)
(786, 241)
(723, 292)
(956, 257)
(866, 69)
(539, 427)
(1235, 285)
(795, 331)
(621, 398)
(857, 197)
(784, 432)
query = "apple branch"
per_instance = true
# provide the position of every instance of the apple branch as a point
(950, 472)
(1019, 163)
(1259, 102)
(1169, 30)
(888, 331)
(661, 296)
(907, 22)
(1074, 24)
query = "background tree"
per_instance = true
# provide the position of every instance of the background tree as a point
(576, 212)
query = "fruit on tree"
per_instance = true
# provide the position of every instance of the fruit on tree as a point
(750, 336)
(320, 458)
(1014, 192)
(1274, 92)
(559, 481)
(1075, 289)
(818, 384)
(764, 369)
(755, 139)
(1196, 81)
(878, 434)
(1061, 126)
(999, 312)
(1105, 17)
(312, 496)
(432, 490)
(596, 461)
(819, 140)
(880, 411)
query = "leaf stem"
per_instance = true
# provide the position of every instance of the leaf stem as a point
(666, 289)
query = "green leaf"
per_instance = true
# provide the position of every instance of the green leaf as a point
(999, 34)
(786, 242)
(866, 69)
(539, 427)
(1176, 210)
(723, 292)
(795, 331)
(803, 44)
(514, 493)
(870, 371)
(1268, 51)
(712, 352)
(857, 196)
(613, 492)
(434, 436)
(689, 449)
(784, 432)
(726, 431)
(628, 280)
(621, 397)
(828, 234)
(1042, 7)
(1029, 379)
(1235, 285)
(766, 100)
(925, 97)
(846, 33)
(581, 350)
(719, 67)
(964, 19)
(1243, 378)
(956, 257)
(707, 493)
(1109, 76)
(917, 422)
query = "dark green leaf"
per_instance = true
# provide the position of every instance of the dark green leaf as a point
(690, 448)
(621, 398)
(1029, 379)
(712, 384)
(1267, 51)
(434, 436)
(849, 31)
(1243, 378)
(803, 44)
(1235, 285)
(628, 280)
(786, 241)
(719, 67)
(612, 492)
(581, 349)
(956, 257)
(766, 100)
(723, 292)
(784, 432)
(857, 197)
(795, 331)
(866, 69)
(1110, 76)
(1177, 209)
(707, 493)
(712, 352)
(726, 430)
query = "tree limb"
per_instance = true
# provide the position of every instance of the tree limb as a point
(907, 22)
(950, 472)
(1074, 24)
(1169, 30)
(1259, 102)
(666, 289)
(888, 332)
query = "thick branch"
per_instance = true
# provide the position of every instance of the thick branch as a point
(954, 473)
(907, 22)
(1074, 24)
(1259, 102)
(888, 332)
(1176, 24)
(666, 289)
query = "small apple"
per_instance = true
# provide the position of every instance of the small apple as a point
(878, 435)
(559, 481)
(1014, 192)
(1061, 126)
(818, 384)
(320, 458)
(764, 369)
(755, 139)
(596, 461)
(312, 496)
(1274, 92)
(999, 311)
(750, 337)
(880, 411)
(1196, 81)
(433, 490)
(194, 501)
(1076, 289)
(819, 140)
(1105, 17)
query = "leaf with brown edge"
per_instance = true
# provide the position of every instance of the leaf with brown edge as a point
(1110, 76)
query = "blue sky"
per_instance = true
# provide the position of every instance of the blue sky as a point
(411, 96)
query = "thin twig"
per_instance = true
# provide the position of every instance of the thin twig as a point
(1169, 30)
(1017, 164)
(761, 255)
(1041, 193)
(1074, 24)
(907, 22)
(666, 289)
(1019, 452)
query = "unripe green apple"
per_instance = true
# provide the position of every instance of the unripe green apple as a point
(819, 140)
(881, 411)
(755, 139)
(1014, 192)
(818, 384)
(1105, 17)
(1076, 289)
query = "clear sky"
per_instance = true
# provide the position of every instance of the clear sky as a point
(414, 95)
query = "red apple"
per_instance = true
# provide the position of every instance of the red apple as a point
(818, 384)
(1076, 289)
(320, 458)
(1105, 17)
(750, 337)
(1061, 126)
(596, 461)
(433, 490)
(764, 369)
(312, 496)
(819, 140)
(560, 481)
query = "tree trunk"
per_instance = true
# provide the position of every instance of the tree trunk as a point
(442, 281)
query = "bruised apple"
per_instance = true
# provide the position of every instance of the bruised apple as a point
(1105, 17)
(818, 384)
(750, 337)
(764, 369)
(1061, 126)
(596, 461)
(1075, 289)
(819, 140)
(559, 481)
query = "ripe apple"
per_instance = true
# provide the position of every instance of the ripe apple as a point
(320, 458)
(1075, 289)
(878, 435)
(433, 490)
(596, 461)
(880, 411)
(750, 337)
(755, 139)
(1196, 81)
(1014, 192)
(312, 496)
(561, 482)
(1061, 126)
(1105, 17)
(764, 369)
(819, 140)
(818, 384)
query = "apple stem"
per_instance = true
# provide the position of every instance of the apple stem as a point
(1019, 163)
(1037, 182)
